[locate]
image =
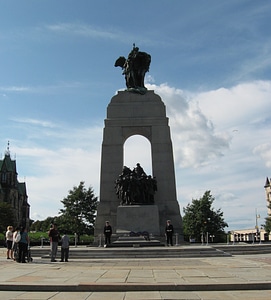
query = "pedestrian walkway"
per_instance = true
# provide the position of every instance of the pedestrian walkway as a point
(234, 277)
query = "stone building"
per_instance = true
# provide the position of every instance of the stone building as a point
(12, 191)
(267, 187)
(256, 234)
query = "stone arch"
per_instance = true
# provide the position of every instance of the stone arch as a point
(136, 130)
(137, 149)
(129, 114)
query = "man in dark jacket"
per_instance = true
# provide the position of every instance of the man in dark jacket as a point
(169, 233)
(107, 233)
(54, 239)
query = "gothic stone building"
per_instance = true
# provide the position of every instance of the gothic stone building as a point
(267, 187)
(13, 192)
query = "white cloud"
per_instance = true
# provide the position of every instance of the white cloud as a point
(59, 172)
(55, 88)
(237, 106)
(14, 89)
(34, 122)
(219, 139)
(264, 151)
(82, 30)
(51, 169)
(194, 137)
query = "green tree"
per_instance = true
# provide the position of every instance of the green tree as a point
(200, 218)
(43, 225)
(267, 225)
(6, 216)
(79, 212)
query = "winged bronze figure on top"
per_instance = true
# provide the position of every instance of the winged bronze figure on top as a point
(134, 69)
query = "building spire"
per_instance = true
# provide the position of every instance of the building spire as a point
(7, 153)
(267, 183)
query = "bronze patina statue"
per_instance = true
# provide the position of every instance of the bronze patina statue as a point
(134, 69)
(135, 187)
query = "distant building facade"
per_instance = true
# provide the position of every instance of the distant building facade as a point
(13, 192)
(256, 234)
(267, 187)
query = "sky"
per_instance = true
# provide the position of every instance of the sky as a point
(211, 65)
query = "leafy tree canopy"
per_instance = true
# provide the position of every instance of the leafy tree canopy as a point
(267, 225)
(43, 225)
(77, 216)
(200, 218)
(79, 212)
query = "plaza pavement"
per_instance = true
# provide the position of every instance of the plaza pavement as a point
(225, 277)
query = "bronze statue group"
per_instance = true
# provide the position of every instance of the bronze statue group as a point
(135, 187)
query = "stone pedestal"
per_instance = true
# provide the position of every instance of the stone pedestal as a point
(130, 114)
(138, 218)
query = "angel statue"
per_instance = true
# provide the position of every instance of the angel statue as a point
(134, 69)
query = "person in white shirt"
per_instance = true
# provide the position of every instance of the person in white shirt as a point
(65, 248)
(9, 240)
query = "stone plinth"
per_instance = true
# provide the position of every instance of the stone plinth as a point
(138, 218)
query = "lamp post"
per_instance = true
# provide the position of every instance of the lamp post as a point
(256, 225)
(176, 239)
(212, 237)
(75, 239)
(41, 241)
(100, 240)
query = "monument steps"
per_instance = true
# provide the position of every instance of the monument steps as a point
(245, 249)
(134, 252)
(136, 241)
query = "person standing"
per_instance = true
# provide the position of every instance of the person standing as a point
(54, 239)
(15, 243)
(65, 247)
(23, 244)
(9, 240)
(107, 233)
(169, 233)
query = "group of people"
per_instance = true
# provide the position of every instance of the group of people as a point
(17, 241)
(55, 238)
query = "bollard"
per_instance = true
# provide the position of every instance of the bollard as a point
(75, 240)
(176, 239)
(100, 240)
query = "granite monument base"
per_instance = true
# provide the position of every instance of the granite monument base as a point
(138, 218)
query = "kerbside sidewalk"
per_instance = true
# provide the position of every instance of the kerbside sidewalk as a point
(235, 277)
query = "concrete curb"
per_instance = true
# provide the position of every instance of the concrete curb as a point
(134, 287)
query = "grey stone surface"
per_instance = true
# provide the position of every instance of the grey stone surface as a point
(129, 114)
(138, 218)
(123, 279)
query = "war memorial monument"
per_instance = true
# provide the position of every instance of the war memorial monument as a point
(130, 199)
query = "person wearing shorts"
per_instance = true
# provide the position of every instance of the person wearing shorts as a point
(9, 241)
